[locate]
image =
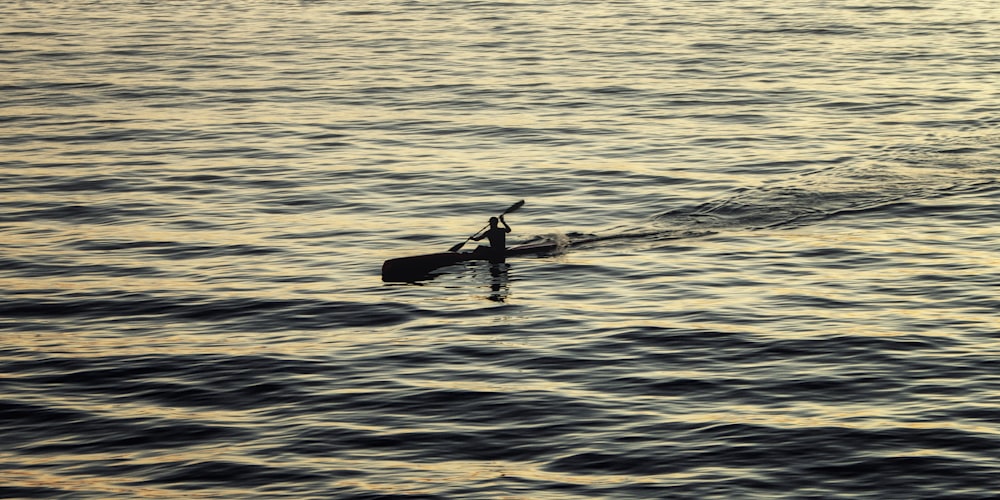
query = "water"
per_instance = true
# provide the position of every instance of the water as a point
(792, 293)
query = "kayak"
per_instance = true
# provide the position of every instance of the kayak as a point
(419, 266)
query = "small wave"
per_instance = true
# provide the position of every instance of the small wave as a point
(79, 213)
(254, 313)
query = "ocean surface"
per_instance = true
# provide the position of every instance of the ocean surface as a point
(790, 288)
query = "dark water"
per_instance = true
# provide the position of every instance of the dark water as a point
(788, 290)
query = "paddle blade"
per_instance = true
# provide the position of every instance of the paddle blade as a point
(514, 207)
(458, 246)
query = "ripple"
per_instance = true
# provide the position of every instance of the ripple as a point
(776, 280)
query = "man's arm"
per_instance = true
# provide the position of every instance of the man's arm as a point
(506, 227)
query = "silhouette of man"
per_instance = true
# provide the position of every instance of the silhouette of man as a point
(498, 239)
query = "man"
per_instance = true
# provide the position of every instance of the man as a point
(498, 239)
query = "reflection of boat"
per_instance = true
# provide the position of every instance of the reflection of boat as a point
(419, 266)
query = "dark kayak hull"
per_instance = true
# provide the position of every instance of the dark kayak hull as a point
(419, 266)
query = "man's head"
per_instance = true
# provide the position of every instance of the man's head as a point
(493, 221)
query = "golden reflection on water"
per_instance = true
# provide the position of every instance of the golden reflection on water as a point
(764, 290)
(39, 477)
(408, 477)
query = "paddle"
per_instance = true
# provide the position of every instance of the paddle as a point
(510, 209)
